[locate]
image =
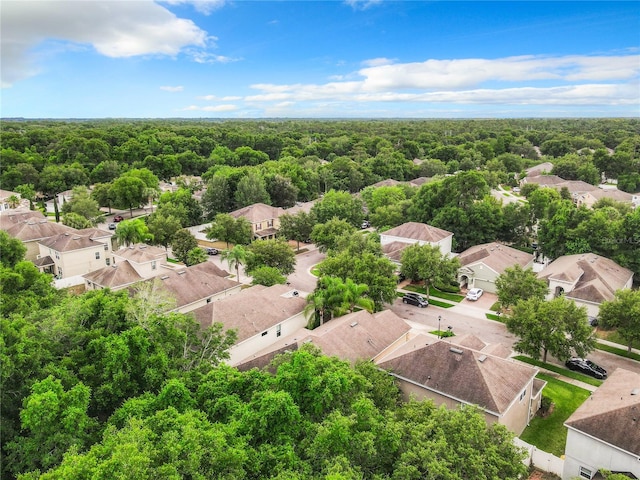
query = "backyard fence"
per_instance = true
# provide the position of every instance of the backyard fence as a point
(541, 459)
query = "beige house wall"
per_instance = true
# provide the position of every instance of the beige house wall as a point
(149, 269)
(81, 261)
(266, 338)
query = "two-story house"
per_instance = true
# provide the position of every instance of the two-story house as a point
(264, 219)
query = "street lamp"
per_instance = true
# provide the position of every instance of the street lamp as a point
(439, 318)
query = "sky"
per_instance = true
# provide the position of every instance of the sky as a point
(319, 59)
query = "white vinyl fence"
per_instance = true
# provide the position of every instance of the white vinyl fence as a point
(541, 459)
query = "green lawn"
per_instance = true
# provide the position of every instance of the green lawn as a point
(618, 351)
(561, 370)
(549, 434)
(434, 292)
(493, 316)
(615, 337)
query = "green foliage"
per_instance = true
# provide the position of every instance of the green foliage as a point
(427, 263)
(297, 227)
(12, 250)
(182, 243)
(130, 232)
(516, 283)
(326, 235)
(341, 205)
(623, 314)
(226, 228)
(235, 257)
(271, 253)
(267, 276)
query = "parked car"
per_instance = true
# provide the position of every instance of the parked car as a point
(474, 294)
(118, 218)
(365, 224)
(211, 251)
(112, 226)
(415, 299)
(587, 367)
(593, 321)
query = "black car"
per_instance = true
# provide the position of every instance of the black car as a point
(587, 367)
(415, 299)
(211, 251)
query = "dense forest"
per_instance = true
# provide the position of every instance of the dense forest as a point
(96, 386)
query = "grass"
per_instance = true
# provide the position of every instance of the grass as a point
(615, 337)
(315, 271)
(549, 433)
(434, 292)
(493, 316)
(443, 333)
(618, 351)
(561, 371)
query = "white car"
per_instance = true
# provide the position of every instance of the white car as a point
(474, 294)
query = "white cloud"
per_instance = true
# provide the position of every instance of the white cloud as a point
(228, 98)
(203, 6)
(201, 56)
(115, 29)
(362, 4)
(212, 108)
(178, 88)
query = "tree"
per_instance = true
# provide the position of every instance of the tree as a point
(271, 253)
(163, 228)
(516, 283)
(623, 314)
(251, 189)
(558, 327)
(325, 235)
(282, 191)
(326, 301)
(267, 276)
(129, 232)
(74, 220)
(235, 257)
(341, 205)
(183, 242)
(103, 195)
(427, 263)
(81, 203)
(217, 197)
(354, 296)
(297, 227)
(149, 299)
(129, 192)
(195, 256)
(226, 228)
(12, 250)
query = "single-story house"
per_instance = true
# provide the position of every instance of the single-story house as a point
(264, 219)
(454, 375)
(260, 315)
(395, 240)
(481, 265)
(586, 278)
(604, 432)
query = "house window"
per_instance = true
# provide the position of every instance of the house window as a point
(524, 392)
(585, 472)
(107, 261)
(153, 265)
(209, 300)
(264, 333)
(278, 330)
(269, 223)
(97, 255)
(106, 247)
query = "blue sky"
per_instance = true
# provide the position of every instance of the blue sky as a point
(312, 59)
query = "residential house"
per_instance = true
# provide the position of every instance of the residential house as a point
(543, 180)
(454, 375)
(586, 278)
(264, 219)
(588, 199)
(540, 169)
(30, 228)
(147, 260)
(260, 315)
(395, 240)
(481, 265)
(75, 253)
(356, 336)
(603, 433)
(10, 200)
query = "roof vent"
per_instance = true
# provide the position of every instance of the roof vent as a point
(182, 272)
(354, 324)
(456, 350)
(482, 358)
(295, 293)
(164, 277)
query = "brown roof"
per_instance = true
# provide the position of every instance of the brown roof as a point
(466, 375)
(141, 253)
(420, 181)
(116, 276)
(418, 231)
(611, 413)
(577, 186)
(539, 169)
(45, 261)
(252, 310)
(300, 207)
(614, 194)
(393, 250)
(545, 180)
(10, 217)
(389, 182)
(597, 277)
(37, 229)
(68, 242)
(95, 233)
(258, 212)
(494, 255)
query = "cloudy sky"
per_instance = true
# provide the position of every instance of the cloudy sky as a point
(346, 59)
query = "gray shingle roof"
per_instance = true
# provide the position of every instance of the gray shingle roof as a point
(418, 231)
(70, 241)
(117, 276)
(37, 229)
(494, 255)
(258, 212)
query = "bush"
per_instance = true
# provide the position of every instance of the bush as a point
(451, 288)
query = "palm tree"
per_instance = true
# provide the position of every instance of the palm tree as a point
(354, 296)
(326, 301)
(235, 257)
(130, 232)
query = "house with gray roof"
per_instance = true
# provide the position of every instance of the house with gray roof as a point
(604, 432)
(30, 228)
(481, 265)
(586, 278)
(453, 375)
(395, 240)
(260, 315)
(7, 199)
(264, 219)
(147, 260)
(356, 336)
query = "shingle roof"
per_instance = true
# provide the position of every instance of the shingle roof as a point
(252, 310)
(494, 255)
(597, 277)
(539, 169)
(389, 182)
(418, 231)
(13, 216)
(95, 232)
(258, 212)
(464, 374)
(70, 241)
(545, 180)
(611, 413)
(116, 276)
(614, 194)
(141, 253)
(35, 229)
(393, 250)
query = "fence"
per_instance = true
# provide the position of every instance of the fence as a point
(541, 459)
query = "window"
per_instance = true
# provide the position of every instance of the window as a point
(269, 223)
(585, 472)
(106, 247)
(107, 261)
(153, 265)
(522, 395)
(97, 255)
(209, 300)
(264, 333)
(278, 330)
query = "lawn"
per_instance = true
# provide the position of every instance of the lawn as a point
(615, 337)
(561, 370)
(618, 351)
(434, 292)
(549, 433)
(493, 316)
